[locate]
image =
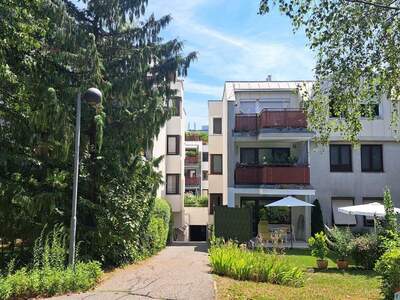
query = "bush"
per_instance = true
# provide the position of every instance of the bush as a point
(158, 229)
(340, 240)
(48, 275)
(365, 250)
(195, 200)
(318, 245)
(388, 267)
(317, 221)
(242, 264)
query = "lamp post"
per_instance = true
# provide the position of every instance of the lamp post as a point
(93, 97)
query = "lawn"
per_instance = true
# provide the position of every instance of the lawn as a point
(329, 284)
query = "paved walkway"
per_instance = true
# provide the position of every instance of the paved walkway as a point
(180, 271)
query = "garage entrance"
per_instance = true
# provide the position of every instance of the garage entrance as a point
(197, 233)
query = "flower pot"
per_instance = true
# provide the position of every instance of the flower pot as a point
(342, 264)
(322, 264)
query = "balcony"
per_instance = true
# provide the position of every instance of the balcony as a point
(190, 160)
(258, 175)
(192, 181)
(270, 118)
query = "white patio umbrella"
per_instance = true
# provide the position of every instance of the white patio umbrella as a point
(373, 209)
(290, 202)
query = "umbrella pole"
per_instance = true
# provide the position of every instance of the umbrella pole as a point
(291, 228)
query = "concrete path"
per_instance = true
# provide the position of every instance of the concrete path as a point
(180, 271)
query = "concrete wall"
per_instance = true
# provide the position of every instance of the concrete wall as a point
(196, 215)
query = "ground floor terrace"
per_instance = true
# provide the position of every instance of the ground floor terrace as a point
(295, 221)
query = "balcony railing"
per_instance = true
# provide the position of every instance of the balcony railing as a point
(255, 175)
(192, 160)
(270, 118)
(192, 181)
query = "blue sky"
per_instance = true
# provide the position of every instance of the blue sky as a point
(233, 43)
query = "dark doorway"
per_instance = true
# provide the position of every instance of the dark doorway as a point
(197, 233)
(275, 215)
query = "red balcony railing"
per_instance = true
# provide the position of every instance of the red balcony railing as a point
(272, 175)
(192, 160)
(269, 118)
(190, 181)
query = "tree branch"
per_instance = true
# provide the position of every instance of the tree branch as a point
(389, 7)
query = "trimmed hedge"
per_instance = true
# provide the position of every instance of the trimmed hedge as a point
(158, 229)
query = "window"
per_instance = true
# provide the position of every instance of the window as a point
(339, 218)
(371, 158)
(217, 126)
(176, 106)
(369, 221)
(254, 156)
(370, 110)
(173, 181)
(216, 163)
(205, 175)
(215, 200)
(205, 156)
(340, 158)
(173, 144)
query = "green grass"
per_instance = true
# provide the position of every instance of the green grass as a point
(332, 284)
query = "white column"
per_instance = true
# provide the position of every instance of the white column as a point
(231, 197)
(307, 219)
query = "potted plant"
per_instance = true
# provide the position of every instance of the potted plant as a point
(319, 249)
(341, 242)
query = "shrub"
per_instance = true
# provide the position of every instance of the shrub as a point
(340, 240)
(365, 250)
(318, 245)
(158, 230)
(317, 221)
(195, 200)
(48, 275)
(242, 264)
(388, 267)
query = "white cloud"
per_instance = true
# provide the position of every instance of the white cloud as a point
(215, 91)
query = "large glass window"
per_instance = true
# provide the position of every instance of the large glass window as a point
(249, 156)
(371, 158)
(217, 126)
(370, 110)
(269, 156)
(173, 144)
(216, 163)
(340, 158)
(173, 183)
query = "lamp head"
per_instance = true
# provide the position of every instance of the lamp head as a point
(92, 96)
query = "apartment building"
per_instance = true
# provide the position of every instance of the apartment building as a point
(170, 144)
(196, 163)
(261, 151)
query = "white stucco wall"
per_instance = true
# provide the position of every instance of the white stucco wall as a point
(196, 215)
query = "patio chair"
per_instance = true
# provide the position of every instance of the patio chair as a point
(263, 231)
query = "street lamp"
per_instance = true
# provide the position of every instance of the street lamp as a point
(93, 97)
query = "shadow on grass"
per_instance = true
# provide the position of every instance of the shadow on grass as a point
(348, 271)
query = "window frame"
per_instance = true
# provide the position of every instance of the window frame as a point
(204, 157)
(212, 164)
(214, 132)
(212, 203)
(340, 169)
(177, 185)
(257, 152)
(177, 145)
(371, 146)
(366, 200)
(176, 106)
(332, 216)
(204, 173)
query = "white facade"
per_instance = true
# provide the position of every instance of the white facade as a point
(172, 166)
(263, 121)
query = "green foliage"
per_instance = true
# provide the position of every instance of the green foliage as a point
(48, 276)
(388, 230)
(356, 48)
(388, 267)
(158, 230)
(317, 221)
(50, 51)
(232, 261)
(195, 200)
(365, 250)
(340, 240)
(192, 153)
(202, 136)
(318, 245)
